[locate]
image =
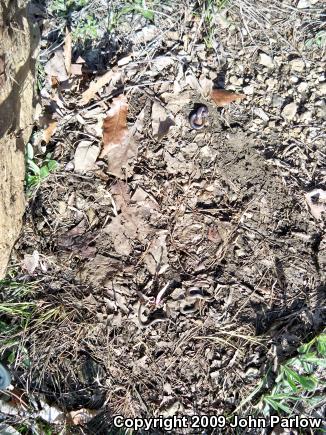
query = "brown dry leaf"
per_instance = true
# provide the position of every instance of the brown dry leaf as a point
(119, 144)
(96, 85)
(67, 51)
(48, 132)
(222, 97)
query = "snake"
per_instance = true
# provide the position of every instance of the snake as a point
(190, 299)
(198, 118)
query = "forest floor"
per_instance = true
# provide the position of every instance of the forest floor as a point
(162, 269)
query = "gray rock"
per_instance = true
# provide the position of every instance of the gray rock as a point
(277, 101)
(321, 89)
(304, 4)
(289, 111)
(321, 111)
(297, 65)
(302, 87)
(266, 60)
(306, 117)
(248, 90)
(261, 114)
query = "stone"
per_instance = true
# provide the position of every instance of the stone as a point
(306, 117)
(303, 4)
(297, 65)
(271, 83)
(146, 34)
(261, 114)
(236, 81)
(289, 111)
(321, 111)
(18, 42)
(321, 89)
(277, 101)
(248, 90)
(302, 87)
(266, 60)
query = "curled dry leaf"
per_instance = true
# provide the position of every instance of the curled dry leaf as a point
(119, 145)
(96, 85)
(222, 97)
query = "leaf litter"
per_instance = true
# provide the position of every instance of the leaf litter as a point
(146, 213)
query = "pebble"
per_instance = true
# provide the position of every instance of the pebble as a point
(302, 87)
(266, 60)
(304, 4)
(321, 111)
(306, 117)
(321, 89)
(277, 101)
(236, 81)
(271, 83)
(297, 65)
(289, 111)
(248, 90)
(262, 115)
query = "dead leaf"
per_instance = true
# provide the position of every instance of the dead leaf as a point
(222, 97)
(48, 132)
(316, 200)
(161, 121)
(76, 69)
(31, 262)
(56, 67)
(80, 60)
(85, 156)
(67, 51)
(121, 193)
(129, 225)
(96, 85)
(119, 145)
(156, 257)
